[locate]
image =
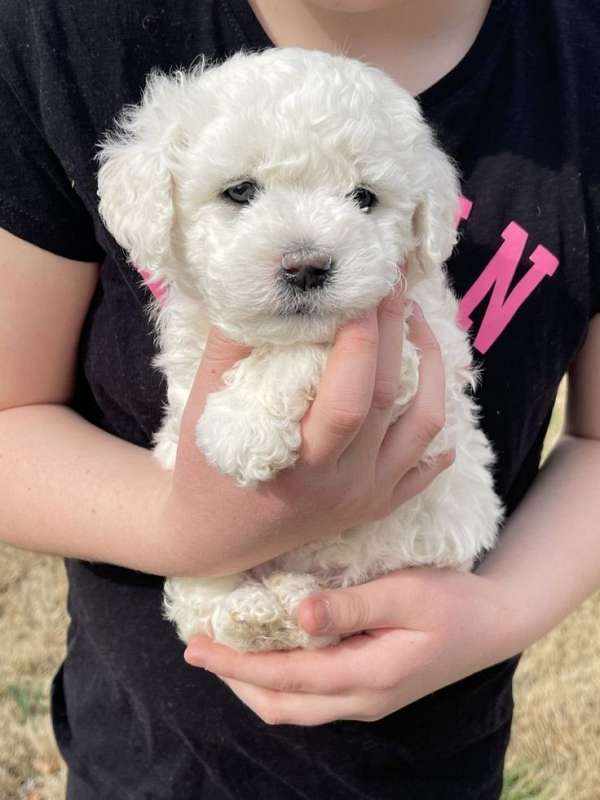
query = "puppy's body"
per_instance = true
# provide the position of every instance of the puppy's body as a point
(332, 126)
(251, 430)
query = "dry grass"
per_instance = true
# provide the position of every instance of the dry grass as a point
(32, 632)
(556, 733)
(554, 753)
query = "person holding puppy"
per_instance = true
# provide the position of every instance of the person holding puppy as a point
(417, 702)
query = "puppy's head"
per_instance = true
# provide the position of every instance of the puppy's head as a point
(284, 190)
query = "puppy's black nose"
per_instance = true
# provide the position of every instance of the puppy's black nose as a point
(306, 269)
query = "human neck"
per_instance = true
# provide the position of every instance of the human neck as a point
(415, 41)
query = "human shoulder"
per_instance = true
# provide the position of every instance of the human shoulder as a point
(36, 35)
(581, 68)
(94, 57)
(561, 40)
(27, 26)
(572, 29)
(147, 32)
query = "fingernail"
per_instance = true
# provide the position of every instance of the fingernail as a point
(193, 658)
(321, 615)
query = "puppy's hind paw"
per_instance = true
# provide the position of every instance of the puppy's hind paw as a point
(253, 619)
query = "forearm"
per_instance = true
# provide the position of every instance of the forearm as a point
(72, 489)
(548, 557)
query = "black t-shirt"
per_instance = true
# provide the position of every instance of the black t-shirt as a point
(521, 116)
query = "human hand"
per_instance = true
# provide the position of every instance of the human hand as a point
(353, 467)
(412, 632)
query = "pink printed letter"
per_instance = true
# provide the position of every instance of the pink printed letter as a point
(498, 276)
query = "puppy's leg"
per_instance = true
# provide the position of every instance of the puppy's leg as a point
(250, 430)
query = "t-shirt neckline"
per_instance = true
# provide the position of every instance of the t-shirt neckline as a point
(254, 34)
(469, 65)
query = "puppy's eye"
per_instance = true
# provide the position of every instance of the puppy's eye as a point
(364, 199)
(241, 192)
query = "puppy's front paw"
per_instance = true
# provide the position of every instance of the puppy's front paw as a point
(244, 441)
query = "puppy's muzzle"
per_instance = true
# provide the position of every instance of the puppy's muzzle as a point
(306, 269)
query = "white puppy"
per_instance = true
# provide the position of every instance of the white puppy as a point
(275, 196)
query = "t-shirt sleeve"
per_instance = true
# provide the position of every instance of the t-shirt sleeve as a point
(593, 202)
(37, 201)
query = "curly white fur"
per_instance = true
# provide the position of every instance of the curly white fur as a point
(308, 128)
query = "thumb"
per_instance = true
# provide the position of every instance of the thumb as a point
(220, 354)
(404, 598)
(350, 610)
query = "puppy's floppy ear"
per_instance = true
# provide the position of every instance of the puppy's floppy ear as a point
(135, 183)
(435, 215)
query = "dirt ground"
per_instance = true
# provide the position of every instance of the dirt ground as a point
(554, 752)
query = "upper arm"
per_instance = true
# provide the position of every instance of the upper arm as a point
(43, 302)
(583, 405)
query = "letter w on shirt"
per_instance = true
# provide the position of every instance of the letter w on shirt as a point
(497, 277)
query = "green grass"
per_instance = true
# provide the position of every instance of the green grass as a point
(521, 784)
(30, 701)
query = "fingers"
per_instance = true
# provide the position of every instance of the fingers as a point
(359, 386)
(390, 605)
(328, 670)
(279, 708)
(344, 394)
(407, 439)
(390, 317)
(419, 477)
